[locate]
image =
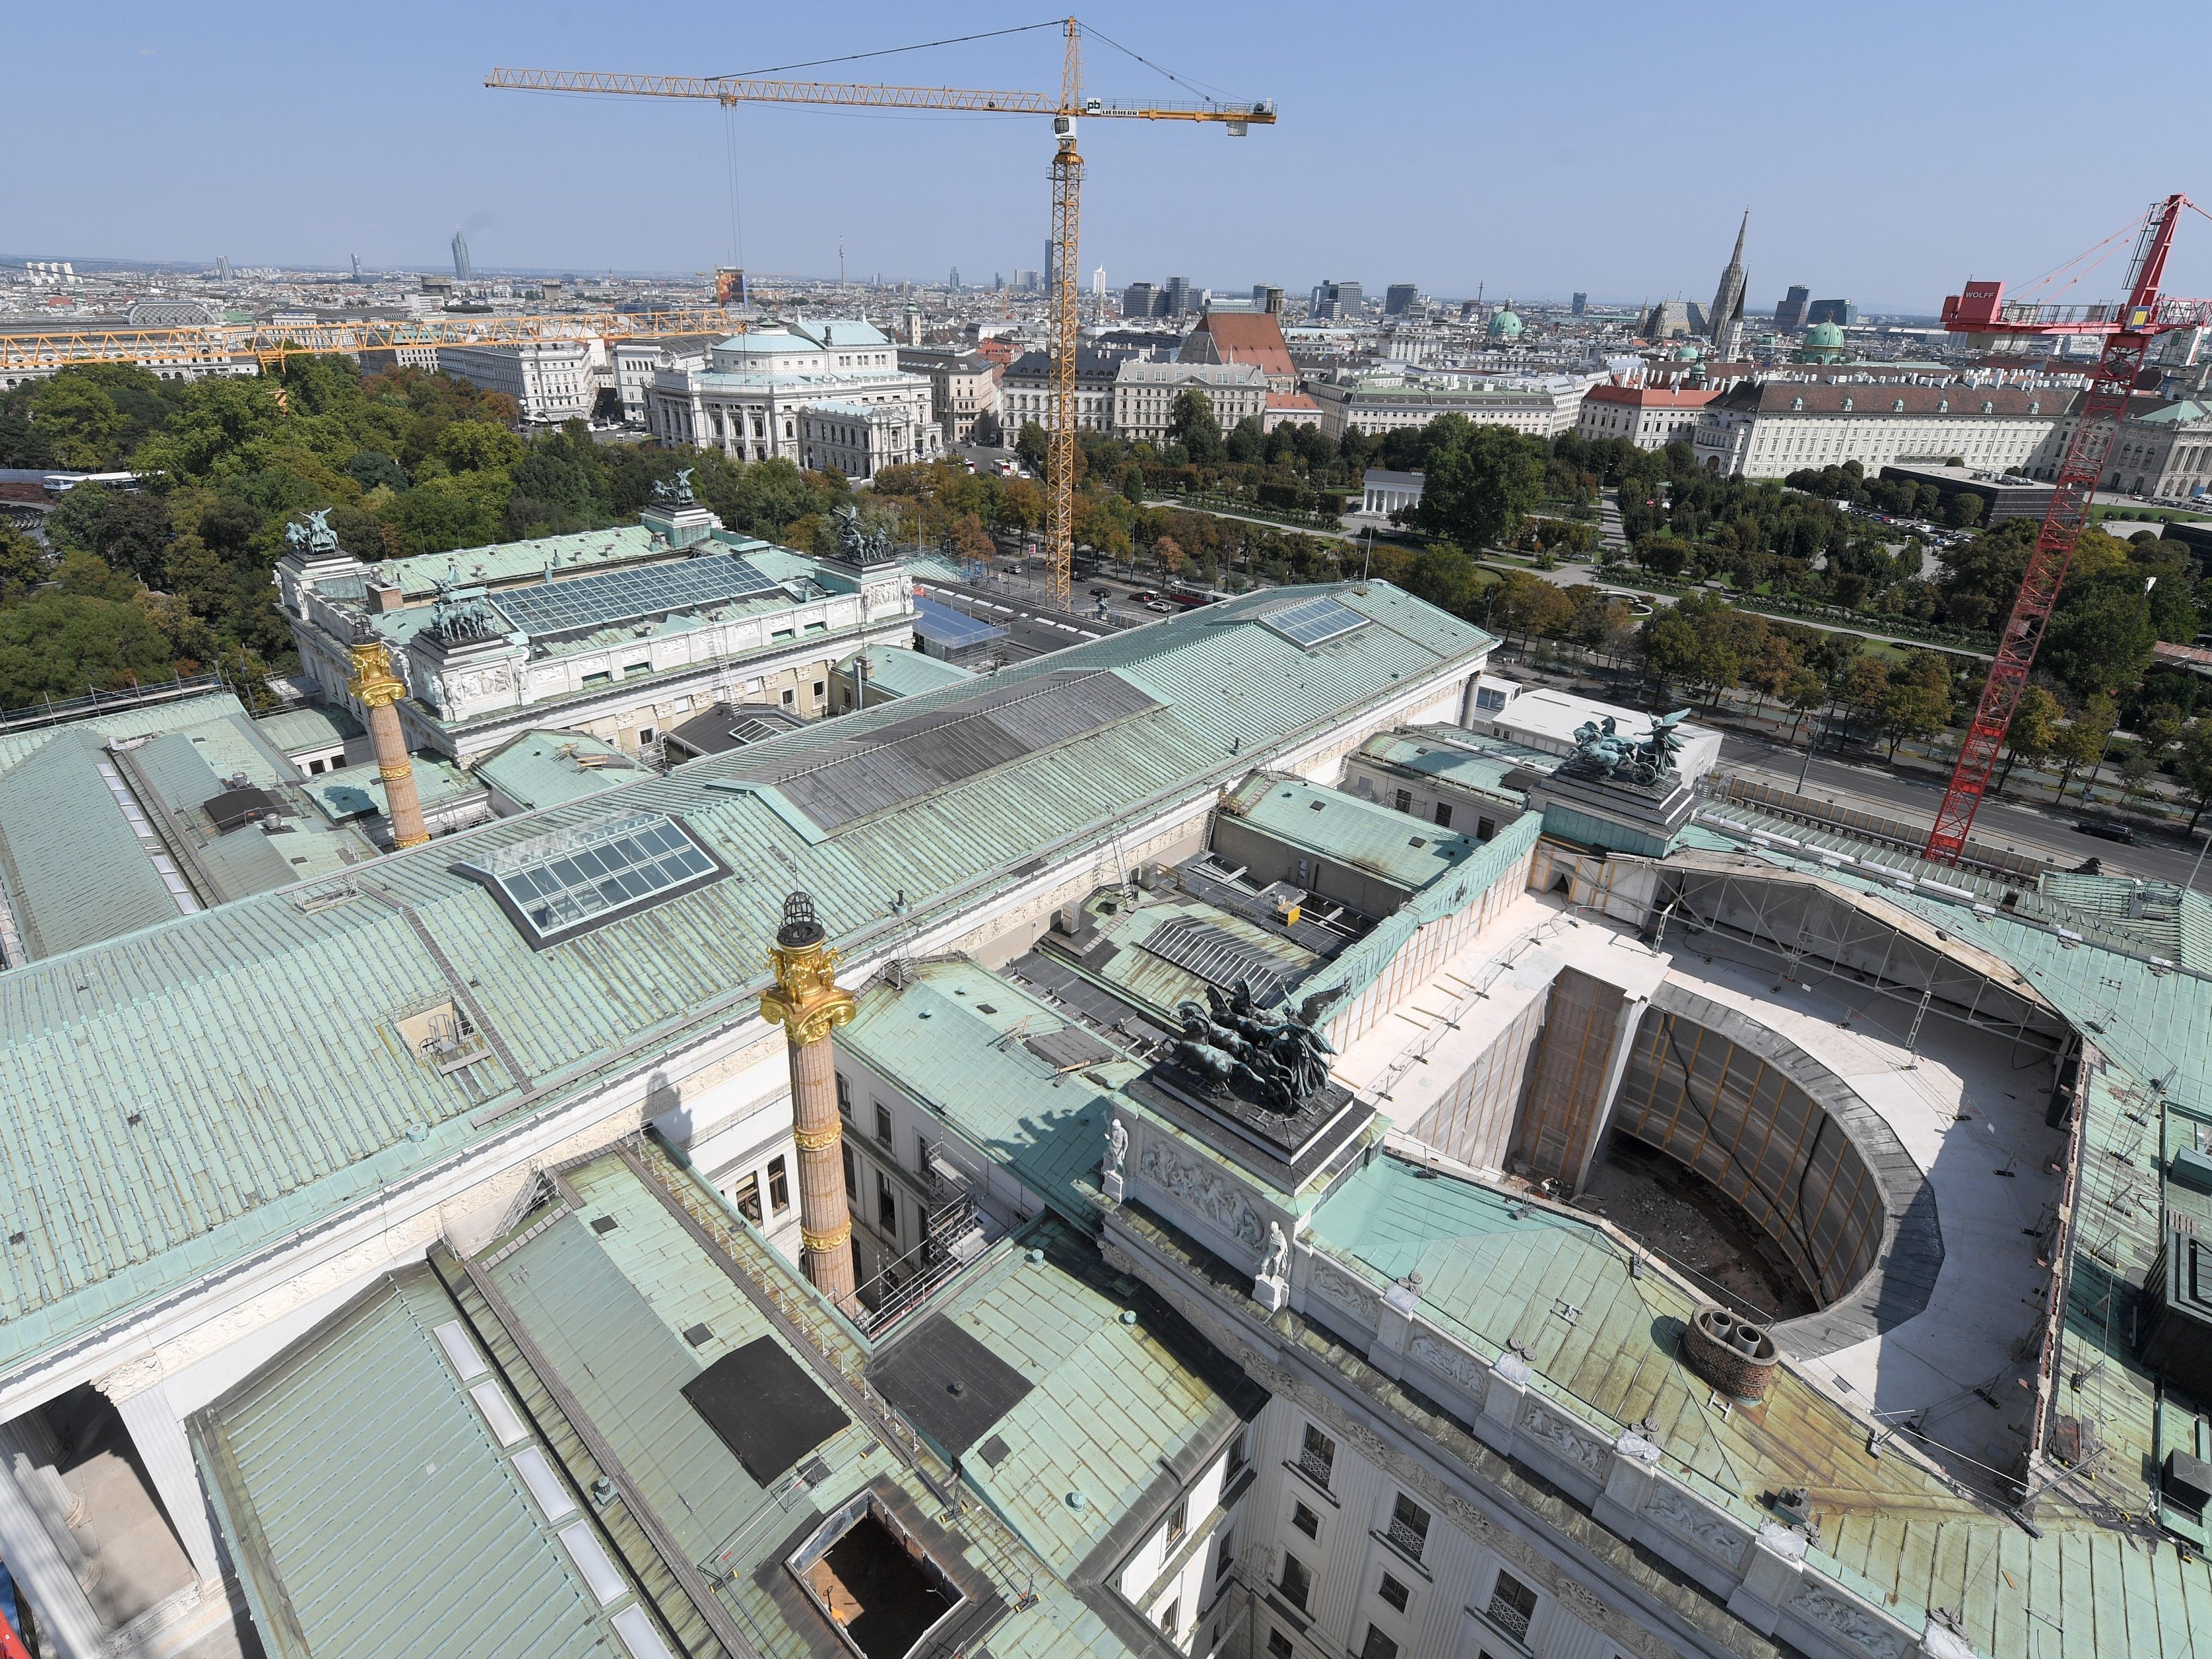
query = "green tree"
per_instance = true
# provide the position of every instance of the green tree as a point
(79, 422)
(1030, 445)
(1446, 578)
(1915, 709)
(2101, 640)
(2082, 740)
(1192, 423)
(2033, 734)
(2193, 767)
(1964, 510)
(1801, 691)
(1481, 481)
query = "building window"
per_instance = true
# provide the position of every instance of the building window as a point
(1485, 828)
(779, 1186)
(1305, 1520)
(1409, 1527)
(790, 697)
(1403, 800)
(819, 690)
(1239, 1452)
(1512, 1605)
(852, 1175)
(1444, 815)
(1377, 1645)
(844, 1095)
(1224, 1555)
(883, 1123)
(1178, 1521)
(921, 1155)
(1317, 1457)
(886, 1206)
(1393, 1593)
(1296, 1582)
(1278, 1646)
(747, 1199)
(1169, 1618)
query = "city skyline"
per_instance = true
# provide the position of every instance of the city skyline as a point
(550, 183)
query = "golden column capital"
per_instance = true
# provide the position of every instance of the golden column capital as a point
(373, 684)
(823, 1243)
(806, 1000)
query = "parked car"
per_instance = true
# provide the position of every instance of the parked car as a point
(1161, 605)
(2105, 830)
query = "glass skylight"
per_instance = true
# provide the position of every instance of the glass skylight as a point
(558, 884)
(1314, 621)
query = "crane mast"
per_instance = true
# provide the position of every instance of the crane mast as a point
(1064, 330)
(2129, 330)
(1060, 402)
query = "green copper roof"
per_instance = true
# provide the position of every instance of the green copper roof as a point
(358, 1465)
(1346, 830)
(903, 673)
(945, 1039)
(549, 768)
(255, 1044)
(1113, 1404)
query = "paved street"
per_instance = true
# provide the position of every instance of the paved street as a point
(2026, 824)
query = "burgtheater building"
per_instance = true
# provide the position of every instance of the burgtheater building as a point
(1226, 1185)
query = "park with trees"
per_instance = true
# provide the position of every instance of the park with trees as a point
(1765, 597)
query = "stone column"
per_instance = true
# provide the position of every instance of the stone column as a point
(806, 1002)
(36, 1562)
(143, 1405)
(377, 688)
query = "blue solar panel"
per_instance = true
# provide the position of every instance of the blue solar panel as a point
(1314, 621)
(940, 624)
(585, 604)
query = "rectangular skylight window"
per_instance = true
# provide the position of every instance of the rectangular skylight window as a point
(635, 1625)
(1314, 621)
(505, 1422)
(558, 885)
(460, 1350)
(605, 1580)
(544, 1486)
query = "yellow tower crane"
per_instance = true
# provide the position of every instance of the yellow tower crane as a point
(1066, 109)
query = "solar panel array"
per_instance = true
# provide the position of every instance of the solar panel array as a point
(953, 630)
(585, 604)
(1314, 621)
(1217, 957)
(561, 882)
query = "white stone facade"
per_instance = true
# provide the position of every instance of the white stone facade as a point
(750, 400)
(550, 380)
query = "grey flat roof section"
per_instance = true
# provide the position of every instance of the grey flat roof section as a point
(768, 1411)
(584, 604)
(947, 1385)
(838, 783)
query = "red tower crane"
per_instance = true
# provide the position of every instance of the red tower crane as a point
(2128, 329)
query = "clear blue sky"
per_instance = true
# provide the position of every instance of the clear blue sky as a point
(1888, 151)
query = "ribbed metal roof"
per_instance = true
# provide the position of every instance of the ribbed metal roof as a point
(255, 1045)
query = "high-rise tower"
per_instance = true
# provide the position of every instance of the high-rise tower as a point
(462, 273)
(1724, 322)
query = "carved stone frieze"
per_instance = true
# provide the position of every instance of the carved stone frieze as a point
(1456, 1366)
(1693, 1523)
(1554, 1429)
(1334, 1285)
(1207, 1192)
(1855, 1624)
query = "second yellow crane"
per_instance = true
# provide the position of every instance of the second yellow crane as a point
(1066, 110)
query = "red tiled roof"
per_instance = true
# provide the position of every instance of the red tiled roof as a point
(1248, 336)
(1645, 396)
(1290, 400)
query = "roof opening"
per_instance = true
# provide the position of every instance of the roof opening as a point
(556, 886)
(874, 1582)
